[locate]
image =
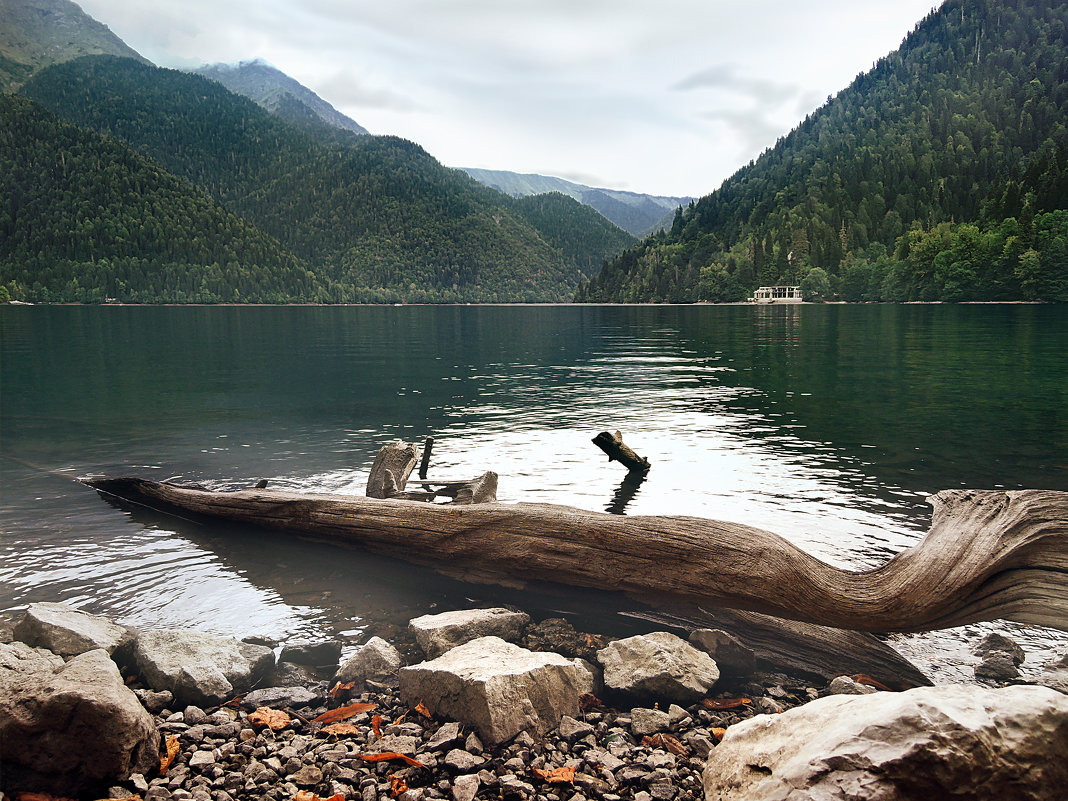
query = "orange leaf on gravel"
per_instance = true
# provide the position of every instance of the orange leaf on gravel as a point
(340, 729)
(274, 719)
(167, 758)
(718, 733)
(564, 775)
(308, 795)
(339, 688)
(376, 725)
(386, 756)
(28, 796)
(343, 712)
(397, 785)
(864, 678)
(422, 710)
(725, 703)
(666, 742)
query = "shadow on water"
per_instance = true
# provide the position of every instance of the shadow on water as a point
(625, 493)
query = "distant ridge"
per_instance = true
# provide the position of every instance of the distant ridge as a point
(635, 213)
(38, 33)
(273, 90)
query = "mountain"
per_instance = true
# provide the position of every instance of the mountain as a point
(275, 91)
(635, 213)
(375, 218)
(941, 174)
(84, 218)
(37, 33)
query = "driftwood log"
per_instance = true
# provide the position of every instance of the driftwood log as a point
(392, 469)
(617, 450)
(989, 553)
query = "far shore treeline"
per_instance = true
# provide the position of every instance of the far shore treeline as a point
(940, 174)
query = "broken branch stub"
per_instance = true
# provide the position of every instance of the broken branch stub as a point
(617, 451)
(393, 464)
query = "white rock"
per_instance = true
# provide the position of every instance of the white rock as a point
(67, 631)
(498, 688)
(658, 666)
(69, 727)
(464, 788)
(844, 685)
(436, 634)
(376, 658)
(199, 669)
(927, 743)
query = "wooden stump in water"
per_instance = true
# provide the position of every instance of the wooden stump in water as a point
(617, 451)
(392, 466)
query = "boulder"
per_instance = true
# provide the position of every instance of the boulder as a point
(67, 631)
(498, 688)
(312, 654)
(1055, 672)
(68, 728)
(376, 658)
(931, 742)
(1001, 658)
(730, 655)
(658, 666)
(436, 634)
(197, 668)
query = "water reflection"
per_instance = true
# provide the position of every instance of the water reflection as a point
(826, 425)
(626, 492)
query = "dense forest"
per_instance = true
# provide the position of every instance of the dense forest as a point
(375, 219)
(941, 174)
(84, 218)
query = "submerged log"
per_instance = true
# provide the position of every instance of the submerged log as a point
(617, 450)
(989, 554)
(475, 490)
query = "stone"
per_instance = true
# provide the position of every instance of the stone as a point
(648, 721)
(464, 788)
(1055, 672)
(155, 702)
(307, 776)
(930, 742)
(288, 674)
(557, 634)
(994, 642)
(730, 655)
(312, 654)
(396, 743)
(201, 759)
(571, 729)
(292, 697)
(461, 761)
(376, 658)
(69, 727)
(498, 688)
(445, 737)
(997, 666)
(68, 632)
(844, 685)
(197, 668)
(437, 634)
(659, 665)
(678, 714)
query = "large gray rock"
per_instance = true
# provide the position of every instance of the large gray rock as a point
(658, 666)
(498, 688)
(199, 669)
(731, 656)
(932, 742)
(436, 634)
(67, 728)
(1055, 673)
(67, 631)
(376, 658)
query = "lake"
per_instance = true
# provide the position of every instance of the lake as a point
(826, 424)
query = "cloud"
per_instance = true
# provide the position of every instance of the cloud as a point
(725, 76)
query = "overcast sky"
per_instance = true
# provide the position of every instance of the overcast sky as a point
(666, 97)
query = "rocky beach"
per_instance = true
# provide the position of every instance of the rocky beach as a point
(486, 704)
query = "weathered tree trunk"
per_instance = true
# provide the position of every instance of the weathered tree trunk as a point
(476, 490)
(617, 451)
(392, 466)
(989, 554)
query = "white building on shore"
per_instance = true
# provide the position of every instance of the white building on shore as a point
(778, 294)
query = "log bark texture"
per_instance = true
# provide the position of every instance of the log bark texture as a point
(989, 553)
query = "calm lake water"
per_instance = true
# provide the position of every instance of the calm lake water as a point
(826, 424)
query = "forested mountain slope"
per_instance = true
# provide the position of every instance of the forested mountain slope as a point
(941, 174)
(84, 218)
(376, 218)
